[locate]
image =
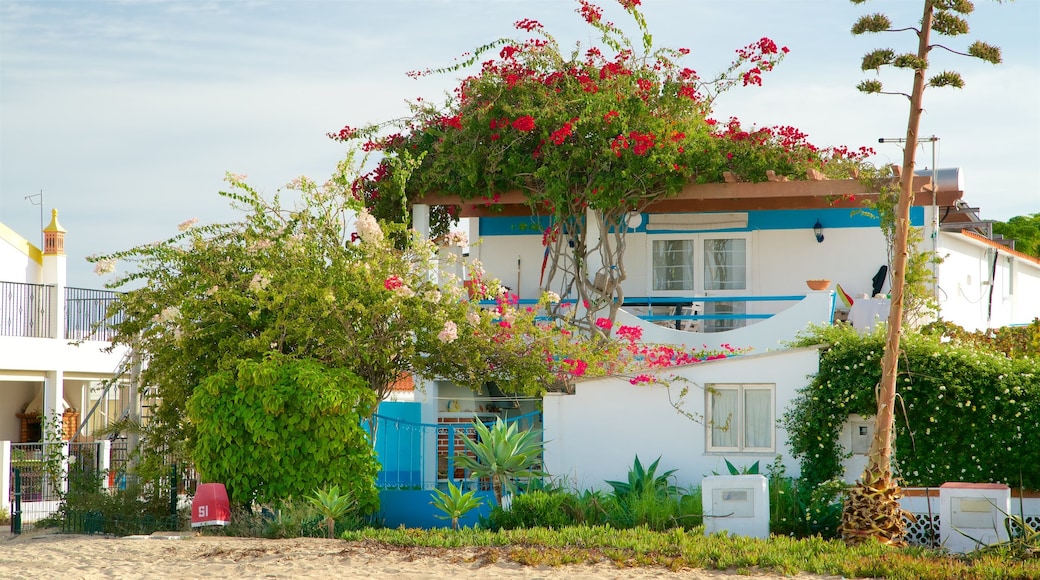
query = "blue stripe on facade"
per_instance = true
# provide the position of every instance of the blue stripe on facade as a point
(785, 219)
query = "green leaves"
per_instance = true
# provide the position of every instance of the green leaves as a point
(502, 454)
(876, 59)
(947, 79)
(984, 51)
(871, 23)
(331, 505)
(966, 410)
(314, 440)
(643, 481)
(454, 504)
(869, 87)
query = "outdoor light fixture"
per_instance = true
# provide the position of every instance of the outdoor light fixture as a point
(818, 230)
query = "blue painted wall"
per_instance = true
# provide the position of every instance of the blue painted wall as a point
(399, 451)
(412, 509)
(787, 219)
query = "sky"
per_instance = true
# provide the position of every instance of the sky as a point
(126, 114)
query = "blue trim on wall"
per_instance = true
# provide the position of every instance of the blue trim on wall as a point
(781, 219)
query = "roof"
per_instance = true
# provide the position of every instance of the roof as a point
(809, 194)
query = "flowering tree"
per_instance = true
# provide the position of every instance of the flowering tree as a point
(290, 285)
(587, 136)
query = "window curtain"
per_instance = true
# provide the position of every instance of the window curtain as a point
(758, 418)
(725, 425)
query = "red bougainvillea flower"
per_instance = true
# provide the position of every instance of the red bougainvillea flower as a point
(524, 123)
(604, 323)
(630, 333)
(393, 283)
(641, 379)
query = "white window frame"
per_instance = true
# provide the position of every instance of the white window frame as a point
(698, 263)
(738, 423)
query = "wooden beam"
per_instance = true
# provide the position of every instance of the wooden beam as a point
(703, 191)
(945, 199)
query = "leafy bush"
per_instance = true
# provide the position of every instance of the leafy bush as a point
(293, 518)
(966, 412)
(534, 509)
(642, 480)
(282, 427)
(455, 504)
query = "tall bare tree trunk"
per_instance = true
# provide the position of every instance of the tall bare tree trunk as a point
(872, 510)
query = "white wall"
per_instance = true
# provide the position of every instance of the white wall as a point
(781, 262)
(595, 434)
(15, 265)
(964, 284)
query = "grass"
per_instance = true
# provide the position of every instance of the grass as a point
(678, 549)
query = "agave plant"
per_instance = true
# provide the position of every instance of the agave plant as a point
(332, 505)
(454, 503)
(641, 480)
(503, 454)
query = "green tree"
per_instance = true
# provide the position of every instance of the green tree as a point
(1025, 230)
(584, 136)
(872, 509)
(283, 427)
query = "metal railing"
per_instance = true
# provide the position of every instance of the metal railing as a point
(708, 313)
(87, 314)
(25, 310)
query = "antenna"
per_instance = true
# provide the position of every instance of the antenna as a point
(39, 203)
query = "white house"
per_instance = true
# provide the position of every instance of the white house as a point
(736, 257)
(54, 361)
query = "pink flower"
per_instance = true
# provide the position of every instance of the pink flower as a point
(604, 323)
(449, 333)
(641, 379)
(392, 283)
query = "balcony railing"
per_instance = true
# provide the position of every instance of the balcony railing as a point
(86, 314)
(25, 310)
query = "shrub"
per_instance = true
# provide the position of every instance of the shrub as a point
(966, 412)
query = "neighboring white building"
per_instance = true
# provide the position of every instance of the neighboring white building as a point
(54, 362)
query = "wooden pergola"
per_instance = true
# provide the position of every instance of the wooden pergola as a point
(767, 195)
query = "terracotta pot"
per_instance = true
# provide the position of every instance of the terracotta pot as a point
(818, 284)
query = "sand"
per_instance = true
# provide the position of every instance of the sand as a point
(43, 555)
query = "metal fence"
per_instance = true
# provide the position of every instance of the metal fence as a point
(87, 314)
(422, 455)
(43, 472)
(25, 310)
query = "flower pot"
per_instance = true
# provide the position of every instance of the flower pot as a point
(818, 284)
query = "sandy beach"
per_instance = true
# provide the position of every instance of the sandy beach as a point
(44, 554)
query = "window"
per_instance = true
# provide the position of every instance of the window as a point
(673, 265)
(740, 417)
(694, 265)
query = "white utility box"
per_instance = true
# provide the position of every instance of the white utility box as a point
(738, 504)
(971, 515)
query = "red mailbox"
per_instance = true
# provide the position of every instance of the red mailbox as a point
(210, 507)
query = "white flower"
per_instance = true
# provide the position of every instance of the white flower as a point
(368, 228)
(449, 333)
(234, 177)
(432, 296)
(552, 297)
(168, 314)
(259, 282)
(187, 224)
(104, 267)
(260, 245)
(473, 318)
(404, 291)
